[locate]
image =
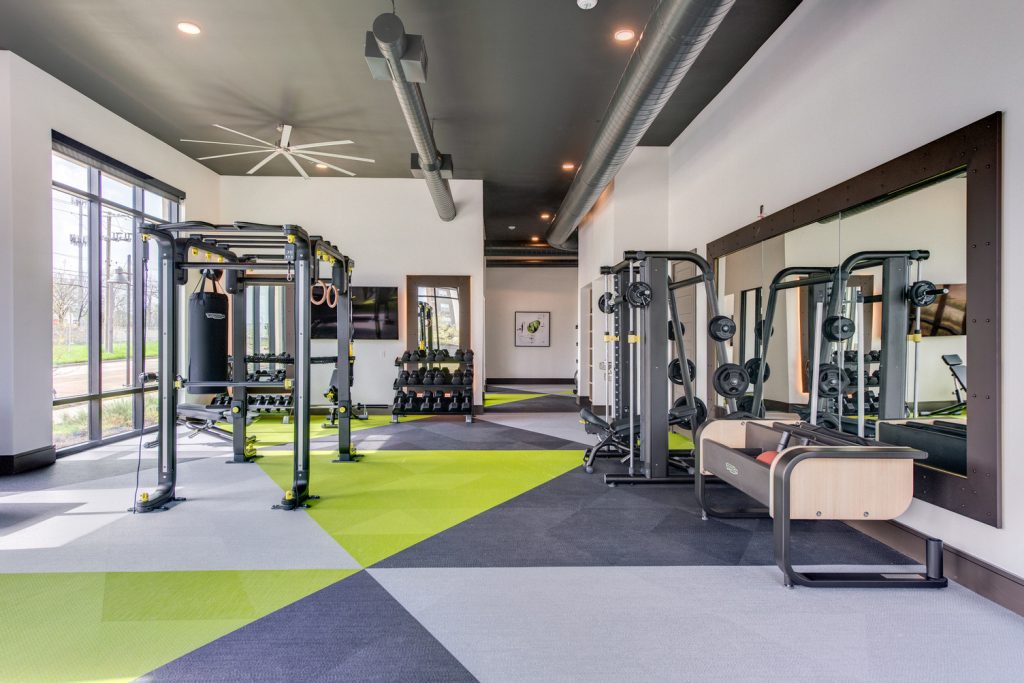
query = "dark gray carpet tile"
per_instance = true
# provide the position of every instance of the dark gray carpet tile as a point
(576, 520)
(352, 630)
(548, 403)
(454, 433)
(498, 389)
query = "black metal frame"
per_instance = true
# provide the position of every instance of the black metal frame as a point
(294, 251)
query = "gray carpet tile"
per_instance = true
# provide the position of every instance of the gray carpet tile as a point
(726, 624)
(352, 630)
(454, 433)
(576, 520)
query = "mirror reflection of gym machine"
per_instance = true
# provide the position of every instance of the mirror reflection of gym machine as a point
(293, 252)
(636, 425)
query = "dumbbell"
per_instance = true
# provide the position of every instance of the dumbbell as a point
(467, 377)
(467, 405)
(438, 405)
(406, 357)
(460, 355)
(467, 357)
(456, 377)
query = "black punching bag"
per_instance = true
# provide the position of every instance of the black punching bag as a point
(207, 339)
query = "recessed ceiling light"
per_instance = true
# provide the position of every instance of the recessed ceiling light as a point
(511, 227)
(586, 4)
(321, 166)
(624, 35)
(568, 166)
(535, 239)
(189, 28)
(544, 216)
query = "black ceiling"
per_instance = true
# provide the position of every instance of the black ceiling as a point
(515, 86)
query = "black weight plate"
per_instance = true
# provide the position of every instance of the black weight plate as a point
(605, 303)
(753, 366)
(745, 404)
(730, 380)
(721, 328)
(831, 380)
(837, 328)
(699, 417)
(922, 293)
(675, 372)
(830, 421)
(639, 294)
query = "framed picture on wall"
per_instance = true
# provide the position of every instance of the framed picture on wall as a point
(533, 328)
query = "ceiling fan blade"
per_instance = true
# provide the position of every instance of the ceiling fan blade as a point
(286, 135)
(232, 144)
(294, 163)
(244, 135)
(263, 163)
(234, 154)
(340, 156)
(317, 161)
(322, 144)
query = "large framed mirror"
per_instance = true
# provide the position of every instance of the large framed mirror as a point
(856, 252)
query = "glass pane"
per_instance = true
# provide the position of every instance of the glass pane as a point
(71, 424)
(151, 403)
(156, 206)
(114, 190)
(151, 308)
(70, 172)
(70, 297)
(116, 231)
(116, 415)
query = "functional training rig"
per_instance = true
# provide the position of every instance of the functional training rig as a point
(277, 255)
(813, 473)
(641, 301)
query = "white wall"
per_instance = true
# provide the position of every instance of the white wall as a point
(390, 228)
(32, 104)
(531, 289)
(840, 88)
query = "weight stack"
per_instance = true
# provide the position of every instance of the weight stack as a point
(207, 341)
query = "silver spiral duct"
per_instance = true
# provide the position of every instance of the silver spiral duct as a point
(392, 43)
(672, 40)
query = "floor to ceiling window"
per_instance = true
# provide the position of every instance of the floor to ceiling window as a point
(105, 306)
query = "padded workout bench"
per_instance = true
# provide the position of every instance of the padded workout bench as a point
(615, 435)
(799, 471)
(203, 419)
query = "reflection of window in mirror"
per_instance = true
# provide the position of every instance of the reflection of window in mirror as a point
(749, 322)
(444, 304)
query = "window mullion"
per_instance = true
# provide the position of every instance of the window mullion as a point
(95, 309)
(137, 361)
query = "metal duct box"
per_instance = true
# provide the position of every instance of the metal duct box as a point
(414, 61)
(447, 168)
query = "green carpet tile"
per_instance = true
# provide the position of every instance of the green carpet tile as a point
(492, 399)
(118, 626)
(679, 442)
(391, 500)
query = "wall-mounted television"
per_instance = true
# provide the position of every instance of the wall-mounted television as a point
(947, 316)
(374, 315)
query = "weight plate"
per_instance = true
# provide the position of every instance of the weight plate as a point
(730, 380)
(675, 371)
(753, 366)
(745, 404)
(721, 328)
(606, 303)
(837, 328)
(830, 421)
(639, 294)
(831, 380)
(922, 293)
(698, 418)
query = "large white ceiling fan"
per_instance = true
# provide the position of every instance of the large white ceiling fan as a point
(283, 148)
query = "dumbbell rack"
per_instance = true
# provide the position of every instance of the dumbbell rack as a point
(279, 403)
(421, 389)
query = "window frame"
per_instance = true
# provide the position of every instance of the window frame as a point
(99, 165)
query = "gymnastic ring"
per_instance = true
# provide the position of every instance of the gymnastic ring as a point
(312, 299)
(332, 302)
